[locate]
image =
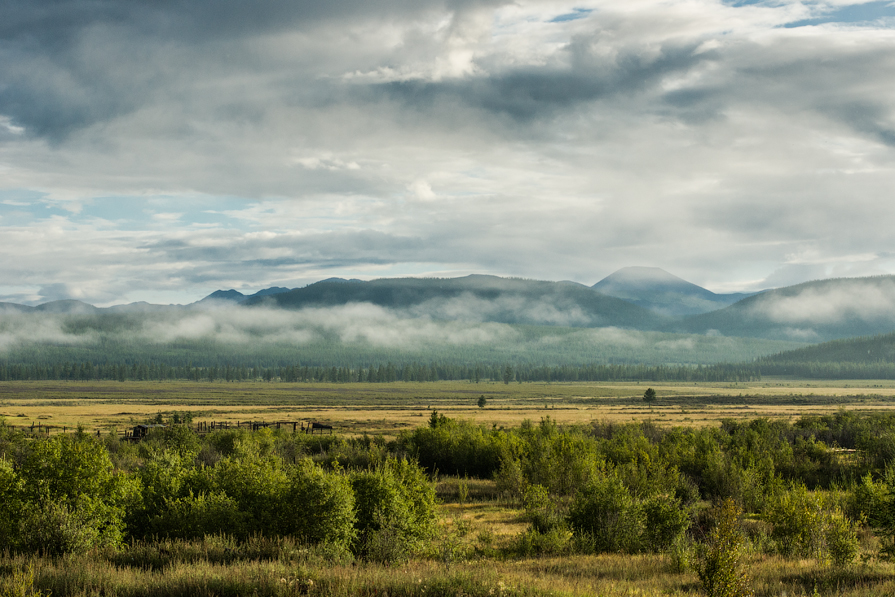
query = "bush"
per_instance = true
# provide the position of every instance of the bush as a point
(798, 520)
(71, 498)
(681, 554)
(541, 510)
(606, 518)
(256, 484)
(162, 478)
(842, 540)
(454, 447)
(803, 525)
(720, 565)
(10, 504)
(666, 521)
(195, 516)
(55, 528)
(561, 460)
(509, 478)
(318, 507)
(874, 501)
(395, 509)
(535, 543)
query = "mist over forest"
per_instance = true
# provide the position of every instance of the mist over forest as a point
(477, 320)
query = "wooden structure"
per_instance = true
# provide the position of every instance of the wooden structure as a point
(314, 425)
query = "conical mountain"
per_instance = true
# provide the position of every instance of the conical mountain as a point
(655, 289)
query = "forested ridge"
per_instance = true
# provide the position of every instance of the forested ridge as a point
(866, 357)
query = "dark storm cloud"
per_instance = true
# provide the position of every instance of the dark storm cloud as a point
(533, 93)
(66, 65)
(872, 119)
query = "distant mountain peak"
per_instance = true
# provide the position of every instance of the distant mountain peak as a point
(631, 282)
(67, 306)
(225, 295)
(638, 274)
(340, 281)
(662, 292)
(238, 297)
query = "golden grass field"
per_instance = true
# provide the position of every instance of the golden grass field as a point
(388, 408)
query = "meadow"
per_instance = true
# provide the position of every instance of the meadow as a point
(386, 408)
(779, 445)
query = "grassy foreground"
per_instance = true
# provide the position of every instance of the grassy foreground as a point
(473, 560)
(479, 547)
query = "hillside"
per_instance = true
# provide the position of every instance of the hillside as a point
(476, 298)
(811, 312)
(870, 357)
(655, 289)
(866, 349)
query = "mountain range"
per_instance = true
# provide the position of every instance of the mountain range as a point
(636, 298)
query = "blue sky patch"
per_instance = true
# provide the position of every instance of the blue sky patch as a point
(870, 12)
(577, 13)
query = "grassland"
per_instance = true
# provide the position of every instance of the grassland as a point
(388, 408)
(471, 557)
(475, 553)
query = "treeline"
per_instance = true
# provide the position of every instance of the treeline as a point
(819, 370)
(863, 349)
(384, 373)
(866, 357)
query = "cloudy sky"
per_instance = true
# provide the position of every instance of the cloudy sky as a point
(159, 150)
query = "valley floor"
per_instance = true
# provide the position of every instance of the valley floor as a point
(357, 408)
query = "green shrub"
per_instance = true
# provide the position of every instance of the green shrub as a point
(666, 521)
(541, 510)
(874, 501)
(56, 528)
(256, 483)
(842, 540)
(562, 460)
(681, 554)
(195, 516)
(71, 498)
(557, 541)
(804, 525)
(606, 517)
(509, 478)
(720, 566)
(10, 504)
(318, 507)
(395, 509)
(798, 522)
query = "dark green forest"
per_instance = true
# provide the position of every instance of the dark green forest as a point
(869, 357)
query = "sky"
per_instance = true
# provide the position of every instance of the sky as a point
(160, 150)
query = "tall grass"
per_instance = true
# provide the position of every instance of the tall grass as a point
(216, 566)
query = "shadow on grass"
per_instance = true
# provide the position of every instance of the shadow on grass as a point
(834, 582)
(222, 551)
